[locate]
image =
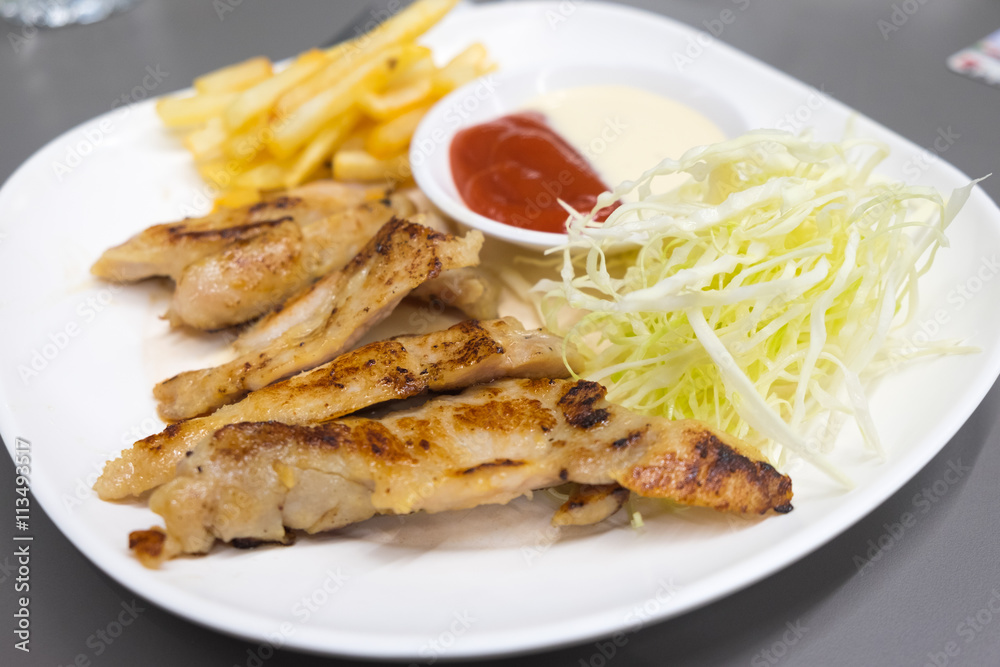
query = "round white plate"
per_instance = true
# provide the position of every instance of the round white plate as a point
(81, 358)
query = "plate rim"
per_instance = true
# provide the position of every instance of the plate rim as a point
(858, 504)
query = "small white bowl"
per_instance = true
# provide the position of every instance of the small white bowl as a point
(495, 95)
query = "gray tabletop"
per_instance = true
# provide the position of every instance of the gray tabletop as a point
(930, 598)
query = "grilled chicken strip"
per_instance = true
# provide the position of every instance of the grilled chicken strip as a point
(167, 249)
(590, 504)
(468, 353)
(401, 256)
(253, 481)
(252, 276)
(469, 290)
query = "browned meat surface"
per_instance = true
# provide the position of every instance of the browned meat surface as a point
(167, 249)
(251, 277)
(470, 290)
(467, 353)
(490, 444)
(589, 504)
(342, 307)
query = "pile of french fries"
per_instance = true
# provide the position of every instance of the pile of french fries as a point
(347, 112)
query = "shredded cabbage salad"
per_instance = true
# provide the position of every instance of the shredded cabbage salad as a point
(761, 296)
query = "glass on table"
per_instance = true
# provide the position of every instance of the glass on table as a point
(58, 13)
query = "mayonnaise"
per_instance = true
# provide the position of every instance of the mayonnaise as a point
(623, 131)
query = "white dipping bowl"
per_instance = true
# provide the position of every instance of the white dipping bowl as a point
(496, 95)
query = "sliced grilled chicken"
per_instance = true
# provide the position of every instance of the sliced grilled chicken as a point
(400, 257)
(253, 481)
(590, 504)
(167, 249)
(470, 290)
(252, 276)
(467, 353)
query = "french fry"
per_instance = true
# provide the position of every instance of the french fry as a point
(396, 101)
(207, 140)
(235, 78)
(421, 68)
(249, 141)
(237, 197)
(192, 110)
(257, 100)
(319, 81)
(321, 147)
(266, 176)
(352, 164)
(393, 136)
(405, 26)
(312, 116)
(463, 68)
(348, 111)
(223, 173)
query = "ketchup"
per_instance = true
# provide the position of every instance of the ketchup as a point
(515, 168)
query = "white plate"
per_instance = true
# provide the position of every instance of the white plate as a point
(487, 581)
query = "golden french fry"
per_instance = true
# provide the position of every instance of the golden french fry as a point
(215, 173)
(421, 68)
(351, 164)
(393, 136)
(321, 147)
(340, 67)
(461, 69)
(397, 101)
(405, 26)
(235, 78)
(207, 139)
(309, 88)
(347, 111)
(223, 172)
(257, 100)
(192, 110)
(237, 197)
(249, 141)
(311, 117)
(266, 176)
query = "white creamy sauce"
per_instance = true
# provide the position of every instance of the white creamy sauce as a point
(623, 131)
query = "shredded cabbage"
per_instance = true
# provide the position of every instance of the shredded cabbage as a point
(761, 296)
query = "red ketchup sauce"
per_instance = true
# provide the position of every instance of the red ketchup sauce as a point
(515, 168)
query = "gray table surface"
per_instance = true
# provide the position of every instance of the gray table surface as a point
(917, 601)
